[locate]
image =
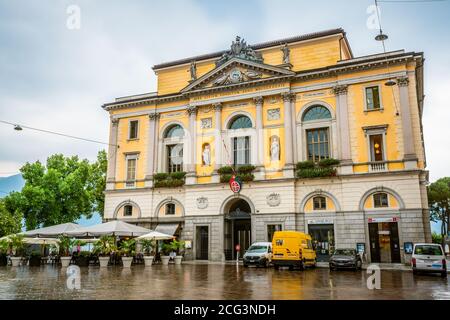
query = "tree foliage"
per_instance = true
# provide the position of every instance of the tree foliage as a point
(439, 203)
(9, 222)
(63, 190)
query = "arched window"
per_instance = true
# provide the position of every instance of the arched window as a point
(174, 131)
(317, 133)
(316, 112)
(319, 203)
(128, 210)
(241, 122)
(380, 200)
(175, 157)
(170, 208)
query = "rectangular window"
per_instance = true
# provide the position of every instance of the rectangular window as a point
(170, 209)
(131, 169)
(318, 146)
(380, 200)
(373, 98)
(376, 147)
(319, 203)
(128, 211)
(241, 150)
(133, 129)
(175, 158)
(271, 228)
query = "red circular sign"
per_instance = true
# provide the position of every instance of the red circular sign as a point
(238, 247)
(235, 184)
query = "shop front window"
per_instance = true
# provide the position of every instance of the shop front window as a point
(271, 228)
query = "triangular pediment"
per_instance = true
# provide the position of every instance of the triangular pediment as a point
(235, 71)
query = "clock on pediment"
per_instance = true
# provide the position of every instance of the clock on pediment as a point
(238, 65)
(236, 75)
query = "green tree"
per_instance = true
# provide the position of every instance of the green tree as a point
(63, 190)
(439, 203)
(9, 222)
(98, 182)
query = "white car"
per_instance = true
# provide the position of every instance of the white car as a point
(429, 257)
(259, 254)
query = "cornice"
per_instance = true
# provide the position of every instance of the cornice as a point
(330, 71)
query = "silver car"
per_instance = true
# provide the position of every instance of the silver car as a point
(429, 257)
(259, 254)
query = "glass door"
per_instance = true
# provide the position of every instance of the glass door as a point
(323, 240)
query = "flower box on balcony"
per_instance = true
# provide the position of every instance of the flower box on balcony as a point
(323, 168)
(169, 180)
(244, 173)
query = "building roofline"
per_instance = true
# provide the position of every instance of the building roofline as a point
(343, 64)
(258, 46)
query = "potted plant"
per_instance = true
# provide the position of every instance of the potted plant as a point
(104, 247)
(127, 251)
(148, 246)
(35, 259)
(4, 245)
(65, 243)
(166, 249)
(178, 247)
(17, 245)
(82, 258)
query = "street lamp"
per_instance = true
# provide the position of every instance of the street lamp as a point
(381, 36)
(17, 127)
(390, 83)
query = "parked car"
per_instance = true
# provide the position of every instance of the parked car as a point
(293, 249)
(345, 259)
(429, 257)
(259, 254)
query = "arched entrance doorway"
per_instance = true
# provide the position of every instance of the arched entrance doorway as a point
(237, 227)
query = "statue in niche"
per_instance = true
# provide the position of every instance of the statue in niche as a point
(286, 54)
(193, 70)
(206, 155)
(274, 148)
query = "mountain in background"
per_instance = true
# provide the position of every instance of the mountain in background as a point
(11, 183)
(16, 183)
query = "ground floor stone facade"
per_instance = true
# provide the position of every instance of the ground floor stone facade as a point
(213, 219)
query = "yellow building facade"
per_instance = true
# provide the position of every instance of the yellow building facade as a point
(321, 143)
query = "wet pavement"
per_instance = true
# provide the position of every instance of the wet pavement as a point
(210, 281)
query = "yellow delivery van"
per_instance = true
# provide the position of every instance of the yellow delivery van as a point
(292, 249)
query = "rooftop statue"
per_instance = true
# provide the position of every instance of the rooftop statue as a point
(240, 49)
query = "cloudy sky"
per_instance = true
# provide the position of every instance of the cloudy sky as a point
(56, 78)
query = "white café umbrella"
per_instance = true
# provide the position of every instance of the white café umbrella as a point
(41, 241)
(155, 235)
(112, 228)
(52, 231)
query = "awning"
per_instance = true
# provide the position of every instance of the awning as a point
(52, 231)
(111, 228)
(155, 235)
(167, 228)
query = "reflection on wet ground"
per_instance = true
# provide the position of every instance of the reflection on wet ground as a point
(214, 282)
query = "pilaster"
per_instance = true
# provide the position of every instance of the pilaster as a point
(191, 176)
(112, 154)
(343, 129)
(260, 172)
(152, 150)
(288, 170)
(409, 155)
(218, 141)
